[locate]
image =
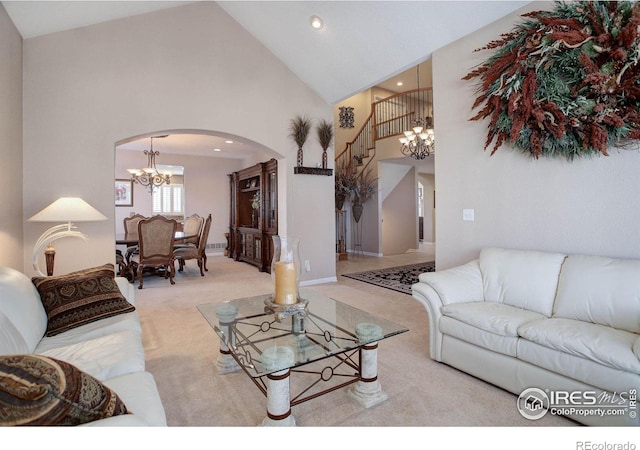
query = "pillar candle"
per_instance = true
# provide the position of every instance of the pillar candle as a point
(286, 283)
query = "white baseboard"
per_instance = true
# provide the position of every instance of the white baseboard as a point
(377, 255)
(319, 281)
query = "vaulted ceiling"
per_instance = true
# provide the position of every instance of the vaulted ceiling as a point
(362, 43)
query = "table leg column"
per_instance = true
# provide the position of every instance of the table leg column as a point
(367, 391)
(278, 397)
(226, 314)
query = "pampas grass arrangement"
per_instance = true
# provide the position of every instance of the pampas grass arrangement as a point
(299, 132)
(325, 137)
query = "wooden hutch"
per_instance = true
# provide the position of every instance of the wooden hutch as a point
(254, 214)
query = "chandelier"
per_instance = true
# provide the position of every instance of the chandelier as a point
(149, 176)
(419, 142)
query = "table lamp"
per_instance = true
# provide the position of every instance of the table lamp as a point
(65, 209)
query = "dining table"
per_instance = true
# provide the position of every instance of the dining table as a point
(133, 239)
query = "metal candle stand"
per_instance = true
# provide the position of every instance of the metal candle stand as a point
(297, 311)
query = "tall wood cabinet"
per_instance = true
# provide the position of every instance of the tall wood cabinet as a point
(254, 214)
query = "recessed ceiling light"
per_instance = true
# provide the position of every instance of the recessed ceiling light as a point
(399, 83)
(316, 22)
(217, 150)
(228, 141)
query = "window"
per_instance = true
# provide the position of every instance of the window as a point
(168, 200)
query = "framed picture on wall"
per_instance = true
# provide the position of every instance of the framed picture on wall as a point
(124, 193)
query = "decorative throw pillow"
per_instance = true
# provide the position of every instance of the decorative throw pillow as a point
(79, 298)
(38, 390)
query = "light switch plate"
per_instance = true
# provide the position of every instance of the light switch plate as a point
(468, 215)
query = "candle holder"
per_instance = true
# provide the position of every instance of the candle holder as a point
(296, 310)
(286, 270)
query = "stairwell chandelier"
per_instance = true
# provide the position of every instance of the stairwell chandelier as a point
(419, 142)
(149, 176)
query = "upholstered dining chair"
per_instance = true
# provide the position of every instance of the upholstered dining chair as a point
(192, 227)
(199, 252)
(131, 226)
(156, 240)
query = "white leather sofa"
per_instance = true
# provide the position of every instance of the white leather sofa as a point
(109, 349)
(526, 319)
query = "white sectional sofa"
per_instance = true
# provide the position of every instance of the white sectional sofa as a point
(523, 319)
(108, 348)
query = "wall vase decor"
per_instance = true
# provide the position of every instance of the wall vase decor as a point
(356, 210)
(325, 137)
(299, 131)
(565, 82)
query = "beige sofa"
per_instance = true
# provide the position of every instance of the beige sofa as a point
(108, 348)
(561, 323)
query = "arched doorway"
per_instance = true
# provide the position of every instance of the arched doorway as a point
(205, 157)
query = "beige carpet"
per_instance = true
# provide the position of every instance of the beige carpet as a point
(181, 349)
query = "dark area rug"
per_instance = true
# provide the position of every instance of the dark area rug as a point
(396, 278)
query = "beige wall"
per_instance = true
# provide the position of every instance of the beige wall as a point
(589, 206)
(399, 209)
(190, 67)
(11, 223)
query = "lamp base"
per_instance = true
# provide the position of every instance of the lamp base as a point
(50, 256)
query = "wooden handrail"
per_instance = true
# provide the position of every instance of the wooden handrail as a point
(388, 117)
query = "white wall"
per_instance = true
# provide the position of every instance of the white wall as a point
(189, 67)
(589, 206)
(11, 221)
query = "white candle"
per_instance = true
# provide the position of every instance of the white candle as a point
(286, 283)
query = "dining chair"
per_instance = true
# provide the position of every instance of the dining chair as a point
(192, 227)
(131, 226)
(199, 252)
(156, 240)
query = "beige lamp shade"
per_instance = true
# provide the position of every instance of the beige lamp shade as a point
(65, 209)
(68, 209)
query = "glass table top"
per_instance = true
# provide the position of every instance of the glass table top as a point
(250, 328)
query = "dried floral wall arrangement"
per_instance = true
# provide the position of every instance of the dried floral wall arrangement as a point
(564, 82)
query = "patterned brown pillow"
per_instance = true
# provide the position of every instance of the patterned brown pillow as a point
(38, 390)
(79, 298)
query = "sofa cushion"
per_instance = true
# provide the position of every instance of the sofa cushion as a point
(574, 367)
(140, 393)
(636, 348)
(495, 318)
(110, 325)
(20, 303)
(35, 390)
(507, 345)
(104, 357)
(522, 278)
(604, 345)
(80, 297)
(600, 290)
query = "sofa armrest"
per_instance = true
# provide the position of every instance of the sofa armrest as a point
(435, 289)
(461, 284)
(127, 289)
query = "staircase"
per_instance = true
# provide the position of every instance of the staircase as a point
(389, 117)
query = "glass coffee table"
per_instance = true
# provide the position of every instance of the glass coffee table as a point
(327, 344)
